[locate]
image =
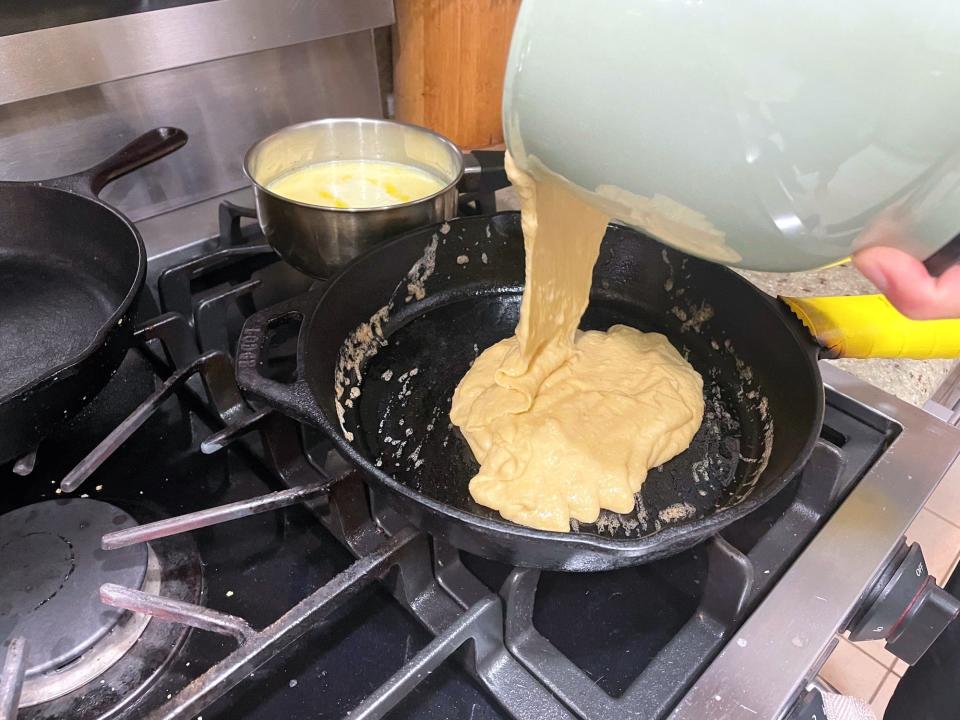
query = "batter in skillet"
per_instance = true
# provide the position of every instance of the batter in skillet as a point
(564, 422)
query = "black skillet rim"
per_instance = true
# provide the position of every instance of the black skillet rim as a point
(674, 534)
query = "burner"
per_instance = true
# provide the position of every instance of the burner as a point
(52, 568)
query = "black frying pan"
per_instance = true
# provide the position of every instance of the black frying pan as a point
(764, 397)
(71, 268)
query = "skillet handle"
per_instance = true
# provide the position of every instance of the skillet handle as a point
(152, 145)
(868, 326)
(294, 399)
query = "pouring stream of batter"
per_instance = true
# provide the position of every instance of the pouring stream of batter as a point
(563, 422)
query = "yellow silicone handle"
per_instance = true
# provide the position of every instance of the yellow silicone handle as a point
(868, 326)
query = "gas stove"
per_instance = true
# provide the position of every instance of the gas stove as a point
(178, 550)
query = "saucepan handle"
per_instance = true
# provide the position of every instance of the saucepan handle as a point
(483, 171)
(294, 399)
(868, 326)
(150, 146)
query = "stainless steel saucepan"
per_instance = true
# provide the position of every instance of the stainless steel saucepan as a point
(319, 239)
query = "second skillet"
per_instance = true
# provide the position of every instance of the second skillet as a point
(71, 268)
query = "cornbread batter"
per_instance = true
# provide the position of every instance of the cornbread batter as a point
(356, 184)
(565, 422)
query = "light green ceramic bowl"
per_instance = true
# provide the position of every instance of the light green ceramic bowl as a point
(762, 133)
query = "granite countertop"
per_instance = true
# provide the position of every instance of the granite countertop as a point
(911, 380)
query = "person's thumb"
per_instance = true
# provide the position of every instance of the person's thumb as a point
(908, 285)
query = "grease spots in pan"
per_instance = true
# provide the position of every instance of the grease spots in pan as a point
(369, 337)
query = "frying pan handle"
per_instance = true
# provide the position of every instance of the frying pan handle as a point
(294, 399)
(868, 326)
(150, 146)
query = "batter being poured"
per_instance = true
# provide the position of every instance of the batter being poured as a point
(564, 422)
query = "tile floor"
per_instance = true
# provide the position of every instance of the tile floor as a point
(867, 670)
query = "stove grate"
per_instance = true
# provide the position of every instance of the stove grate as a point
(490, 630)
(479, 626)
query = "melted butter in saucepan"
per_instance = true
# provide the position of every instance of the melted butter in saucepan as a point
(356, 184)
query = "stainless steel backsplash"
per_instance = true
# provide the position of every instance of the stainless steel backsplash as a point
(224, 105)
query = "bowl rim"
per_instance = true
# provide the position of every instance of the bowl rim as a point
(449, 144)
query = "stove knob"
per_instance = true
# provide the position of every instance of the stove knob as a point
(808, 707)
(928, 616)
(906, 608)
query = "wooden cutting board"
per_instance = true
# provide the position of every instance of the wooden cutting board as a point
(448, 63)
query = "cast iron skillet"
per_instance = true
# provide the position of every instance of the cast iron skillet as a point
(764, 397)
(71, 268)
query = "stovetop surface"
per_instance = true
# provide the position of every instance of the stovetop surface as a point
(256, 567)
(609, 624)
(639, 635)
